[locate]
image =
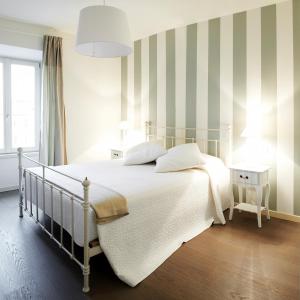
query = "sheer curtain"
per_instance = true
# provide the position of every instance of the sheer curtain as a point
(53, 129)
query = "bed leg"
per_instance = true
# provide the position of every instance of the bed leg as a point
(20, 152)
(86, 258)
(86, 275)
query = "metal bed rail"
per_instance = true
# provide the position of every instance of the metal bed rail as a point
(26, 197)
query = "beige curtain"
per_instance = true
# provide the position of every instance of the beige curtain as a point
(53, 133)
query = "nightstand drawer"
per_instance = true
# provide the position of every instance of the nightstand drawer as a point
(248, 177)
(116, 154)
(244, 177)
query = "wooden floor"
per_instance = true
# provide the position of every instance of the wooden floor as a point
(236, 261)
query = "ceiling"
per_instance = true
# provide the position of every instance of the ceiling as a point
(145, 16)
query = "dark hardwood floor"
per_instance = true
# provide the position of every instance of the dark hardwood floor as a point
(236, 261)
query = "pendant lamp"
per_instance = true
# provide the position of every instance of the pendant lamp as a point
(103, 31)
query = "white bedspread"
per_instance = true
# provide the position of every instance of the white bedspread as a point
(165, 210)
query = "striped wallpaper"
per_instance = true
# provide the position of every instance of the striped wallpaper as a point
(240, 69)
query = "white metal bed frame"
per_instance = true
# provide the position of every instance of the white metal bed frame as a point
(221, 146)
(213, 141)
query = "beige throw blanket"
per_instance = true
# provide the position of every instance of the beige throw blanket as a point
(110, 207)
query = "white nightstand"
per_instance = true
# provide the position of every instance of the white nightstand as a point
(245, 176)
(116, 153)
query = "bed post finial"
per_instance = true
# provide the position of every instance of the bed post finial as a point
(20, 153)
(86, 258)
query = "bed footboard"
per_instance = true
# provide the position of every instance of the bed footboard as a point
(40, 212)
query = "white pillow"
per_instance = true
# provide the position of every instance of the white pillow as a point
(181, 157)
(143, 153)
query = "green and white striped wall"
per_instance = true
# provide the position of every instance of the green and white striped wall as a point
(206, 74)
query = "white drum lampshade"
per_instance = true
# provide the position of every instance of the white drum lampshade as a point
(103, 31)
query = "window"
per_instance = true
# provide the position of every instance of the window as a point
(19, 105)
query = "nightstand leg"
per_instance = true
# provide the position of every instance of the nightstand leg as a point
(240, 188)
(231, 204)
(267, 200)
(259, 200)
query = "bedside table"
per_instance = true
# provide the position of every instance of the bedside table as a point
(245, 176)
(116, 153)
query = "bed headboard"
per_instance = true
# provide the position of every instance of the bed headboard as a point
(216, 142)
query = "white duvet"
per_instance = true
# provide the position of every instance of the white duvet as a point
(165, 210)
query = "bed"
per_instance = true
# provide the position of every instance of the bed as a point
(165, 209)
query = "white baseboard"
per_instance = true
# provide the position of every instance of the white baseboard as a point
(280, 215)
(284, 216)
(9, 188)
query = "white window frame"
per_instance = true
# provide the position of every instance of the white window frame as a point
(7, 62)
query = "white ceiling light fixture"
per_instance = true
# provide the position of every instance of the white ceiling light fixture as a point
(103, 31)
